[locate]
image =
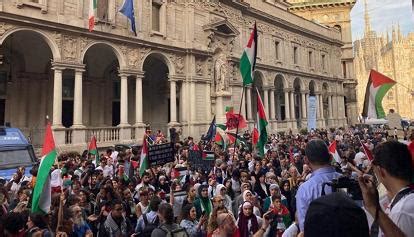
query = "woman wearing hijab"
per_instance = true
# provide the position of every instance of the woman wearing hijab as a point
(285, 190)
(248, 222)
(249, 197)
(203, 203)
(222, 190)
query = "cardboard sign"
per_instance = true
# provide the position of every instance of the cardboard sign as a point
(197, 161)
(161, 154)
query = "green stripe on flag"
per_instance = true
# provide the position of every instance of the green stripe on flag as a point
(41, 179)
(382, 91)
(246, 69)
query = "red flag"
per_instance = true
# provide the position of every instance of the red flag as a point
(235, 119)
(49, 142)
(367, 151)
(255, 136)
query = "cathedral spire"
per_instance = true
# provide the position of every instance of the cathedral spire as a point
(367, 19)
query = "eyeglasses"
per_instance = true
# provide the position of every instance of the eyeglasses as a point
(119, 209)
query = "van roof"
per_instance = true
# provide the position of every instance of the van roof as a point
(12, 137)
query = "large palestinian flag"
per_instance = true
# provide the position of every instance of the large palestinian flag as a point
(143, 162)
(248, 58)
(377, 87)
(41, 198)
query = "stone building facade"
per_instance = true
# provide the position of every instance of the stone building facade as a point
(335, 14)
(392, 54)
(180, 71)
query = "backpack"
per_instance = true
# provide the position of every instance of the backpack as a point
(149, 226)
(178, 232)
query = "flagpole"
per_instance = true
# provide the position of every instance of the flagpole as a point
(238, 120)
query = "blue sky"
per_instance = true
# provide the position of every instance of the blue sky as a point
(383, 14)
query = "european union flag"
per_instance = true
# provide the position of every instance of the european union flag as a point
(128, 10)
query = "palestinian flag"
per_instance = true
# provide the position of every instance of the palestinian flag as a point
(232, 139)
(143, 162)
(93, 150)
(92, 9)
(334, 152)
(262, 122)
(208, 155)
(219, 140)
(367, 151)
(248, 58)
(377, 87)
(41, 198)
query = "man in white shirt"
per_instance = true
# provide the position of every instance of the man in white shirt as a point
(106, 169)
(393, 167)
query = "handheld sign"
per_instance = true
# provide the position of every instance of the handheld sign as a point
(161, 154)
(201, 159)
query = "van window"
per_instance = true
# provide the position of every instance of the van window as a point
(13, 158)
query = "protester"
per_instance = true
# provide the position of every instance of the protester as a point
(319, 160)
(393, 168)
(86, 195)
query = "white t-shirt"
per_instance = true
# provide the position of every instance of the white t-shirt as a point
(402, 214)
(292, 231)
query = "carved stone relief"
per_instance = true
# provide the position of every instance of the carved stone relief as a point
(70, 48)
(178, 62)
(4, 27)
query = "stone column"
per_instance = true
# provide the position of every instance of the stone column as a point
(303, 97)
(320, 106)
(272, 105)
(77, 103)
(57, 97)
(318, 109)
(192, 101)
(208, 101)
(330, 106)
(173, 102)
(249, 103)
(292, 105)
(138, 101)
(124, 100)
(266, 100)
(243, 105)
(287, 106)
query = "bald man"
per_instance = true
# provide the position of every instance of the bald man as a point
(227, 225)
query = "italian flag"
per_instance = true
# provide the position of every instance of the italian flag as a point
(143, 162)
(262, 123)
(248, 58)
(377, 87)
(93, 150)
(41, 198)
(92, 10)
(334, 152)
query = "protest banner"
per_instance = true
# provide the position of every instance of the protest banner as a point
(201, 159)
(161, 153)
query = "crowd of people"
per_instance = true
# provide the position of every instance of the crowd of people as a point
(241, 194)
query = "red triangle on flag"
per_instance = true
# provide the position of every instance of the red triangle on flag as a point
(49, 142)
(378, 79)
(92, 144)
(367, 151)
(255, 136)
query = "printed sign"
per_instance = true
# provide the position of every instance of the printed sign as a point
(312, 107)
(161, 154)
(200, 160)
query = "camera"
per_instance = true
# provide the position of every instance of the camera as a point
(346, 185)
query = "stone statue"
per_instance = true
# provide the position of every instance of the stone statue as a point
(220, 70)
